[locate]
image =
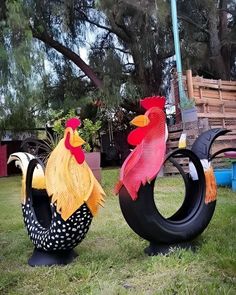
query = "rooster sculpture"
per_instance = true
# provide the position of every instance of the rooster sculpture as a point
(143, 164)
(140, 169)
(58, 205)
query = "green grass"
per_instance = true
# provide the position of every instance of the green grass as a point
(111, 258)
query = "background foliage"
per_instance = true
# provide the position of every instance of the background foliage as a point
(55, 54)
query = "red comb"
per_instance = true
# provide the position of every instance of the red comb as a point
(73, 123)
(154, 101)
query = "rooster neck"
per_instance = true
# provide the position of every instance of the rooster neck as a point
(67, 141)
(157, 120)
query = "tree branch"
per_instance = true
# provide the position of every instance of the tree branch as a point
(112, 47)
(129, 64)
(71, 55)
(232, 12)
(167, 54)
(191, 22)
(115, 29)
(85, 18)
(104, 39)
(119, 27)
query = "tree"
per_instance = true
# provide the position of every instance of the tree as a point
(208, 37)
(60, 26)
(132, 46)
(49, 22)
(23, 25)
(139, 30)
(20, 72)
(23, 111)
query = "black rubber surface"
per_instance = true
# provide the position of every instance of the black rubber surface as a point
(43, 258)
(191, 218)
(202, 145)
(52, 236)
(144, 218)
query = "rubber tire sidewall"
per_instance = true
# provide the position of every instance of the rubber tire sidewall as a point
(144, 218)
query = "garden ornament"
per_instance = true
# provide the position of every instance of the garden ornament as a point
(58, 205)
(139, 172)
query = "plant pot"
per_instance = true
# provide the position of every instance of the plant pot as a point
(223, 177)
(189, 115)
(93, 159)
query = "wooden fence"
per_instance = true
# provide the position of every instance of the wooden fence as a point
(215, 102)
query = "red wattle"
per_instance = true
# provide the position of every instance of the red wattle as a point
(77, 152)
(136, 136)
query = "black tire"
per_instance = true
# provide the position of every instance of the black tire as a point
(202, 148)
(212, 157)
(202, 145)
(144, 218)
(46, 229)
(191, 218)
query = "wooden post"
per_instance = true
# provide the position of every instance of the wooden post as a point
(189, 79)
(177, 99)
(203, 125)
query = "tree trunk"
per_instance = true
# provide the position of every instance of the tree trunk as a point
(148, 77)
(139, 68)
(217, 62)
(223, 30)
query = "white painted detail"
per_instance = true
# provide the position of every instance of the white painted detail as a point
(192, 170)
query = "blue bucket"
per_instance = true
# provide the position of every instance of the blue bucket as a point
(223, 177)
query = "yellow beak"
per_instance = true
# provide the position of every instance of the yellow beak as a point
(76, 140)
(140, 121)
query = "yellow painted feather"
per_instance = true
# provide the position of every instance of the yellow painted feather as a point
(96, 198)
(71, 184)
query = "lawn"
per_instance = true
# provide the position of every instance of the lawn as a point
(111, 258)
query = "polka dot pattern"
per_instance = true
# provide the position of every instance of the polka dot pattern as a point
(61, 235)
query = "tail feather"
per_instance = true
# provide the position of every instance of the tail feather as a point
(22, 161)
(211, 187)
(96, 198)
(118, 186)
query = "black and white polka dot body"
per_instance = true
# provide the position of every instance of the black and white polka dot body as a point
(59, 234)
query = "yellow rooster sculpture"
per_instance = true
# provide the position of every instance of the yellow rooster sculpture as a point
(69, 179)
(58, 206)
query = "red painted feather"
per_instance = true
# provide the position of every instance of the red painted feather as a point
(144, 163)
(74, 123)
(154, 101)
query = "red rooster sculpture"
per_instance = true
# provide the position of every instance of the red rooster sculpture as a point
(145, 161)
(138, 176)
